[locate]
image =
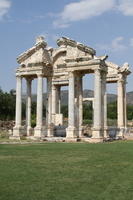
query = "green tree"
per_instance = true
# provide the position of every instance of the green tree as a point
(87, 111)
(112, 110)
(130, 112)
(64, 110)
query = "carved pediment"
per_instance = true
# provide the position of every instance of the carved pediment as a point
(75, 49)
(35, 55)
(70, 49)
(59, 56)
(112, 68)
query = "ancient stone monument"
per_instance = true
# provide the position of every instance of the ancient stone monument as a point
(65, 66)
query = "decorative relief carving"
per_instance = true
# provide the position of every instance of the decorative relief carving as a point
(69, 56)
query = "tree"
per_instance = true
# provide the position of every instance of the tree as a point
(112, 110)
(87, 111)
(130, 112)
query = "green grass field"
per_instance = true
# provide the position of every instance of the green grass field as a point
(62, 171)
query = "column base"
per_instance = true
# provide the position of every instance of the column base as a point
(97, 133)
(120, 133)
(80, 132)
(92, 140)
(29, 131)
(71, 132)
(18, 132)
(50, 130)
(106, 132)
(38, 132)
(71, 139)
(14, 137)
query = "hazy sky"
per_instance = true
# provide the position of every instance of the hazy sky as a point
(105, 25)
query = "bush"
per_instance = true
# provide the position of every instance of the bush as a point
(4, 134)
(87, 121)
(33, 120)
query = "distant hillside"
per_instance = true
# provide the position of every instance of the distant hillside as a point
(86, 93)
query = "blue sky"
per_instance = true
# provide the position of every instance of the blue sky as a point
(105, 25)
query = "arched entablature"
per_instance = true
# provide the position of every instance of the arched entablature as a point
(115, 72)
(59, 56)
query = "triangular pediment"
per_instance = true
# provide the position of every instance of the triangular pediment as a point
(112, 68)
(70, 49)
(37, 54)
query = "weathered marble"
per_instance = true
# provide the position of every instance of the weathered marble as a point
(65, 66)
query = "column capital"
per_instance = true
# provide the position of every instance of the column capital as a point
(49, 78)
(97, 71)
(103, 76)
(18, 76)
(79, 74)
(71, 74)
(39, 75)
(29, 79)
(54, 87)
(100, 71)
(121, 80)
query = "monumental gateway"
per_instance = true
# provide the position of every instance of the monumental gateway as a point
(65, 66)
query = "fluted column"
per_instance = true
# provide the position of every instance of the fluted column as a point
(105, 116)
(120, 103)
(53, 102)
(53, 99)
(39, 117)
(18, 101)
(18, 126)
(58, 99)
(71, 120)
(80, 105)
(71, 107)
(104, 105)
(125, 104)
(120, 107)
(98, 113)
(28, 106)
(49, 108)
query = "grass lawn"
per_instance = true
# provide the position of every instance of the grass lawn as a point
(62, 171)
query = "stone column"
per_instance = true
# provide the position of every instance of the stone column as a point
(39, 117)
(49, 108)
(104, 105)
(57, 117)
(125, 104)
(105, 116)
(98, 114)
(28, 106)
(120, 107)
(58, 99)
(53, 103)
(17, 130)
(71, 130)
(80, 105)
(53, 99)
